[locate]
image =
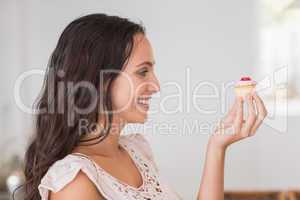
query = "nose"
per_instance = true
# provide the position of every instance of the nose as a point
(154, 85)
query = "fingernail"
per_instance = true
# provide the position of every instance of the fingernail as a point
(250, 97)
(241, 99)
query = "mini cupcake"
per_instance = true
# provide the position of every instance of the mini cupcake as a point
(244, 86)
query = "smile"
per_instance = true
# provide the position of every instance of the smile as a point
(144, 102)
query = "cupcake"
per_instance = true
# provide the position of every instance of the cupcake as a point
(244, 86)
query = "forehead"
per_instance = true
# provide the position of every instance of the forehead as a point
(141, 52)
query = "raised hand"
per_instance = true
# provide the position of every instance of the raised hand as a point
(233, 127)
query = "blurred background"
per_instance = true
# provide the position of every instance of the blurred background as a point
(196, 44)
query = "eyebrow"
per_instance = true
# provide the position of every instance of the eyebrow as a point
(146, 63)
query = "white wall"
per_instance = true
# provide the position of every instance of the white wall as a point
(11, 64)
(217, 41)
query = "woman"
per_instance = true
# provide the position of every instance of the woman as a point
(100, 77)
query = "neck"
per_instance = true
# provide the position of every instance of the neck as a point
(109, 147)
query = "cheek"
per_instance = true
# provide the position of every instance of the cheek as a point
(123, 93)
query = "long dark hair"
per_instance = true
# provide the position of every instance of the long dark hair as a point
(87, 46)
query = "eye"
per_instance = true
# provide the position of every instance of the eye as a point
(143, 72)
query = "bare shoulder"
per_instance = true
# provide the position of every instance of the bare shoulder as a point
(81, 187)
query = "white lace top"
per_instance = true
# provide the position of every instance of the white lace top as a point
(154, 187)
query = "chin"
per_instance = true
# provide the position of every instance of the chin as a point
(136, 117)
(140, 118)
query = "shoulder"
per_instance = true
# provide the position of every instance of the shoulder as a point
(81, 187)
(69, 172)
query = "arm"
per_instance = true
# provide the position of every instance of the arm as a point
(212, 184)
(80, 188)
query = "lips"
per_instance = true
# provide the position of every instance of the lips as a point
(144, 101)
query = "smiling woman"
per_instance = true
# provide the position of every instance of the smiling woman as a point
(64, 161)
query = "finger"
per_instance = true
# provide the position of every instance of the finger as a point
(232, 112)
(260, 106)
(255, 127)
(261, 113)
(238, 121)
(251, 119)
(223, 127)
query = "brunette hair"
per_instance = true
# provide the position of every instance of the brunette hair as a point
(87, 46)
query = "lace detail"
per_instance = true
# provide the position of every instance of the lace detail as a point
(153, 187)
(150, 188)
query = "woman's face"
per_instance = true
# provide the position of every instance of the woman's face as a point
(132, 89)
